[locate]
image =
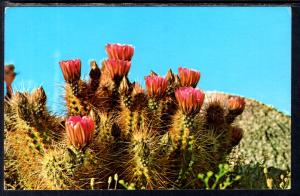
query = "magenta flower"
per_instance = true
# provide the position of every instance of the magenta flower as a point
(189, 99)
(117, 68)
(79, 130)
(236, 104)
(156, 86)
(119, 52)
(188, 77)
(71, 69)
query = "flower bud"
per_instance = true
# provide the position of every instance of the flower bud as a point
(236, 104)
(95, 72)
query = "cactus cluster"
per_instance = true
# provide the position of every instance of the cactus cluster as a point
(159, 137)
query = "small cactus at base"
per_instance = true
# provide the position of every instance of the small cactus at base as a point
(118, 135)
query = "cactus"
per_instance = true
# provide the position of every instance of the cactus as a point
(160, 137)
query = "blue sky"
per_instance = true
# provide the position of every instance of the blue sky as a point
(239, 50)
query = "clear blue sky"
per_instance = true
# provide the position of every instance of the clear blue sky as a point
(244, 51)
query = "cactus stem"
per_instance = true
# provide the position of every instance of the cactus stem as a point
(35, 139)
(153, 104)
(75, 88)
(230, 117)
(127, 100)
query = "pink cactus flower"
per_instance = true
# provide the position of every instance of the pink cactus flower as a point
(117, 68)
(71, 69)
(119, 52)
(79, 130)
(189, 99)
(188, 77)
(156, 86)
(236, 104)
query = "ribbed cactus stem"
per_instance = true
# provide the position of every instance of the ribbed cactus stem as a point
(184, 138)
(171, 83)
(190, 154)
(187, 128)
(60, 167)
(76, 106)
(215, 114)
(76, 156)
(96, 118)
(130, 121)
(46, 138)
(75, 88)
(127, 100)
(170, 90)
(115, 99)
(139, 120)
(230, 117)
(187, 163)
(125, 90)
(39, 109)
(36, 140)
(23, 108)
(168, 110)
(142, 152)
(126, 119)
(188, 121)
(38, 101)
(55, 172)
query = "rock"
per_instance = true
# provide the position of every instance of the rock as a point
(266, 143)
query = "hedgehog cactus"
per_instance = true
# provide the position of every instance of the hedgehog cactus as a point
(160, 137)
